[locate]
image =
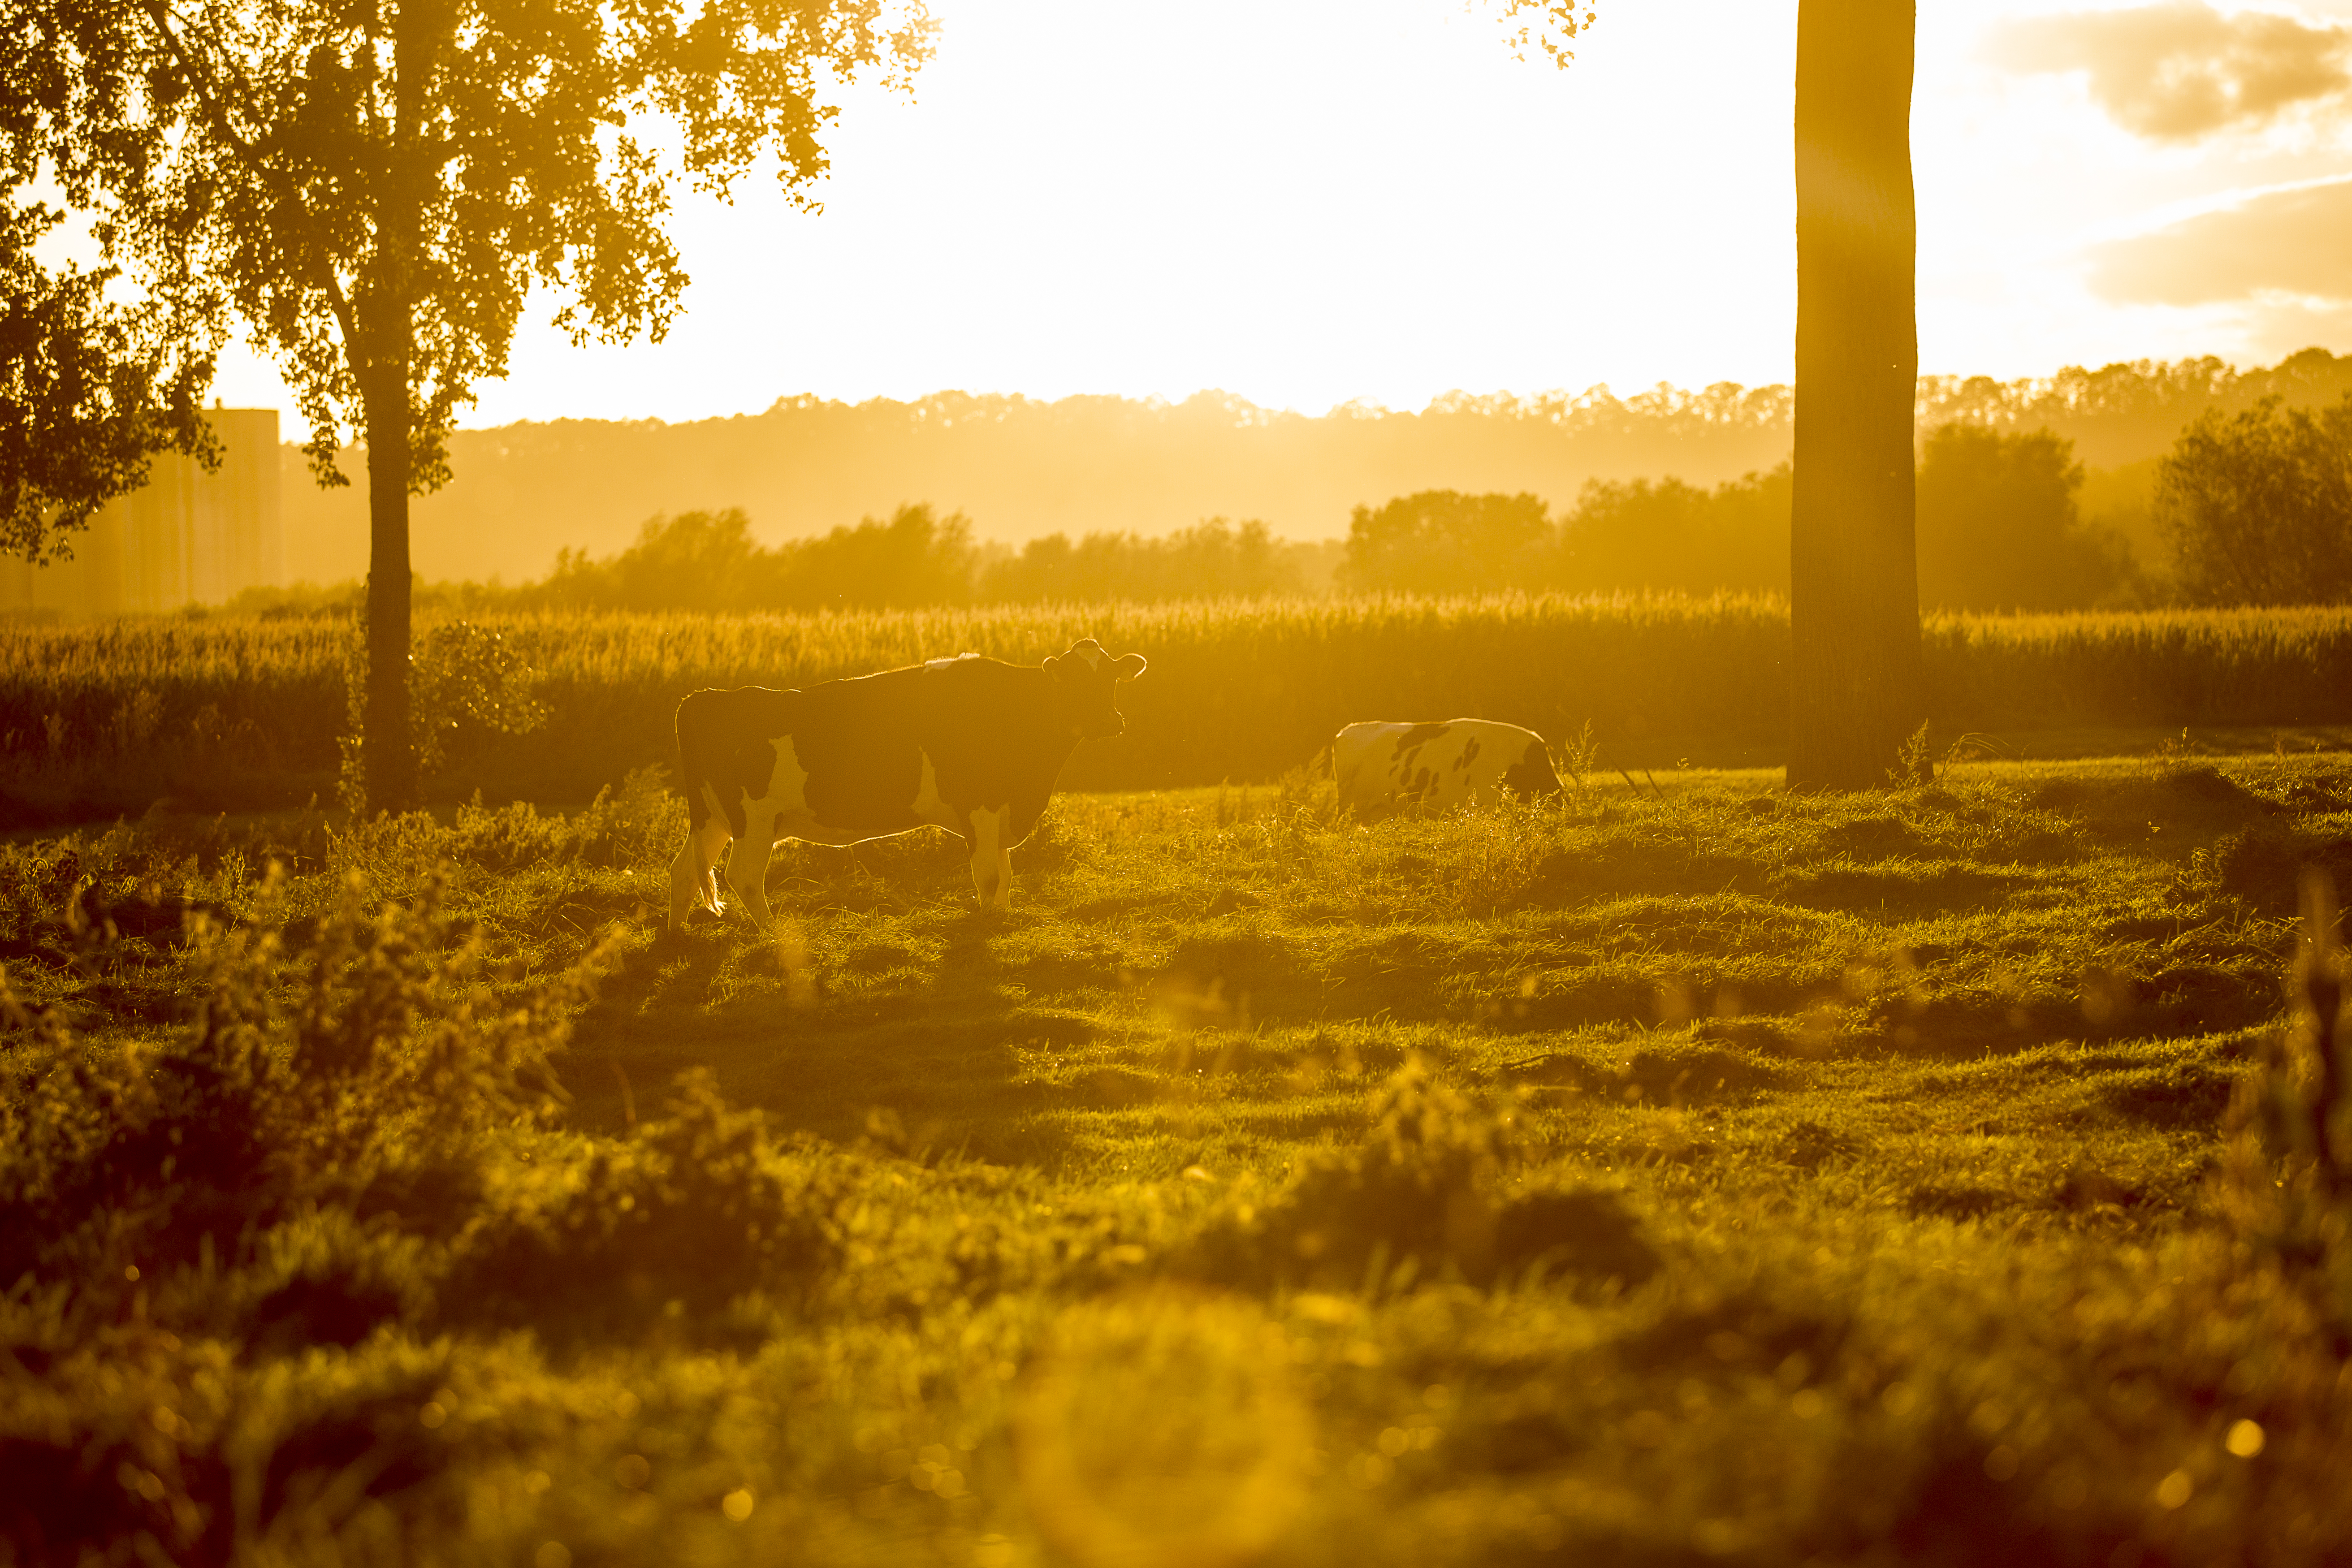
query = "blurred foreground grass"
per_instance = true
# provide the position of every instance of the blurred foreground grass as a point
(1705, 1175)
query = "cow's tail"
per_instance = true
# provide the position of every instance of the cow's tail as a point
(702, 748)
(693, 878)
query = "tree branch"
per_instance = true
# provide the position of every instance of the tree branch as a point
(289, 195)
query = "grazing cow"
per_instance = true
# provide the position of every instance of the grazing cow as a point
(1384, 768)
(969, 744)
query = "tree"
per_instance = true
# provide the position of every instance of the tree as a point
(916, 558)
(2000, 525)
(1671, 537)
(88, 390)
(1212, 558)
(1443, 541)
(694, 560)
(1856, 687)
(2258, 505)
(376, 187)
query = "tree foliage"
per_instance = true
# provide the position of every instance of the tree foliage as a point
(376, 188)
(2258, 505)
(709, 561)
(2000, 525)
(1444, 541)
(310, 167)
(88, 389)
(1210, 560)
(1666, 536)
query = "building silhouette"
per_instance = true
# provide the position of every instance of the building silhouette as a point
(186, 537)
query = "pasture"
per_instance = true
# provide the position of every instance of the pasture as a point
(221, 713)
(1696, 1174)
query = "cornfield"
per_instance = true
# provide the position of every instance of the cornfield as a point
(105, 717)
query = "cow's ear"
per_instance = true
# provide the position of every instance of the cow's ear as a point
(1128, 669)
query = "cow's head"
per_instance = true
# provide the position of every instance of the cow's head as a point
(1086, 688)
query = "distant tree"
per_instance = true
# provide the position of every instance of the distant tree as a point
(2258, 505)
(2000, 525)
(709, 560)
(1210, 560)
(1443, 541)
(916, 558)
(694, 560)
(88, 390)
(1670, 537)
(2126, 413)
(376, 187)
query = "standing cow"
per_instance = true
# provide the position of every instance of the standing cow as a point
(969, 744)
(1384, 768)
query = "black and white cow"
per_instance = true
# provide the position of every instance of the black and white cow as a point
(1385, 768)
(969, 744)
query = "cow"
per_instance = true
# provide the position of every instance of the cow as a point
(1384, 768)
(969, 744)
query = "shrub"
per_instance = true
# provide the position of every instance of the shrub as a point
(697, 1207)
(368, 1083)
(2258, 505)
(1423, 1193)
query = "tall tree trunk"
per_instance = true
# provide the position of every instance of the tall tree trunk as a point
(1855, 688)
(387, 747)
(388, 323)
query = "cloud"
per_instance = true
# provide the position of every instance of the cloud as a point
(2179, 72)
(2293, 242)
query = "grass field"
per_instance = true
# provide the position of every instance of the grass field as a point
(218, 713)
(1705, 1174)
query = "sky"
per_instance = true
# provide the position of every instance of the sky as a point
(1314, 202)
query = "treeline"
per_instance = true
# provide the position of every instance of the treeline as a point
(1999, 528)
(1021, 468)
(709, 561)
(2252, 506)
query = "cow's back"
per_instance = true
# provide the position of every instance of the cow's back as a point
(1383, 767)
(860, 740)
(994, 737)
(874, 755)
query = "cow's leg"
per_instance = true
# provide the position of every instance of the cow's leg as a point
(747, 867)
(991, 859)
(689, 874)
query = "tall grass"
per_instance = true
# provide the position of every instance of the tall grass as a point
(226, 711)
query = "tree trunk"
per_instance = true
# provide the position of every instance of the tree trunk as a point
(1855, 688)
(388, 332)
(387, 748)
